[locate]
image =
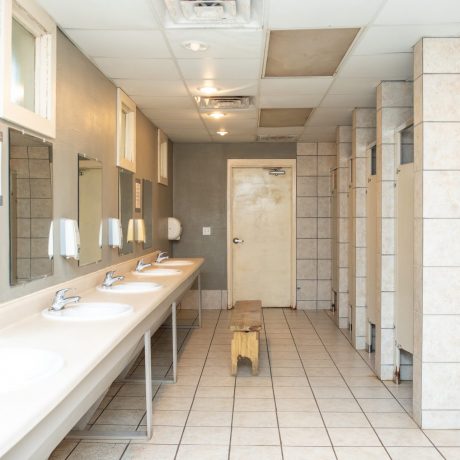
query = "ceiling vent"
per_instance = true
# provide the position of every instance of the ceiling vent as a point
(214, 13)
(268, 138)
(225, 102)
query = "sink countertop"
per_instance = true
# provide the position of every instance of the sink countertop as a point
(22, 410)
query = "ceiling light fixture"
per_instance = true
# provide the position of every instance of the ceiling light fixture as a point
(208, 89)
(222, 132)
(195, 45)
(216, 115)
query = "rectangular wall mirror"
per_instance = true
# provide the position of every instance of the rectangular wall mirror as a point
(31, 207)
(90, 209)
(125, 206)
(147, 212)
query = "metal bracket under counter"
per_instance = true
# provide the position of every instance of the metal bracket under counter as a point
(39, 442)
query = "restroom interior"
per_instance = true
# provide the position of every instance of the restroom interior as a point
(299, 153)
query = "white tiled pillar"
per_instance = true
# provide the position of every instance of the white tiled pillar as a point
(343, 157)
(394, 107)
(437, 230)
(363, 133)
(314, 255)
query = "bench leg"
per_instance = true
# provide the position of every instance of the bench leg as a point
(255, 352)
(246, 345)
(234, 355)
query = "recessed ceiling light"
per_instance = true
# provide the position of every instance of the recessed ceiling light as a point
(208, 89)
(222, 132)
(216, 115)
(195, 45)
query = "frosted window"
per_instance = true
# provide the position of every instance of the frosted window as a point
(23, 67)
(373, 160)
(407, 145)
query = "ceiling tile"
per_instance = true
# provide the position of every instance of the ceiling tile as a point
(354, 86)
(318, 134)
(232, 115)
(330, 117)
(237, 138)
(172, 114)
(294, 86)
(349, 100)
(155, 69)
(120, 43)
(400, 39)
(228, 69)
(188, 135)
(271, 118)
(226, 87)
(300, 101)
(419, 12)
(163, 102)
(244, 125)
(101, 14)
(221, 43)
(286, 131)
(179, 124)
(301, 14)
(316, 52)
(395, 66)
(151, 87)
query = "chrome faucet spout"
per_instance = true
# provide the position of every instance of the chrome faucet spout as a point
(60, 300)
(162, 256)
(110, 279)
(141, 265)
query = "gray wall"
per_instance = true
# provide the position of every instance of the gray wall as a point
(200, 199)
(86, 123)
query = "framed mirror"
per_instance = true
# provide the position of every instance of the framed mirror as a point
(125, 207)
(30, 207)
(90, 209)
(147, 212)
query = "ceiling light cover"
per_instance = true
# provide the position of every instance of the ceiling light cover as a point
(222, 132)
(216, 115)
(195, 45)
(208, 89)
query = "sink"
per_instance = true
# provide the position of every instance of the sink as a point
(94, 311)
(131, 288)
(22, 366)
(174, 263)
(158, 272)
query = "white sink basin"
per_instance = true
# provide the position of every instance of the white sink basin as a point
(131, 288)
(174, 263)
(95, 311)
(21, 366)
(158, 272)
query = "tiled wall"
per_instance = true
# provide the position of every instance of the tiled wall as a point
(394, 107)
(437, 226)
(363, 133)
(341, 224)
(314, 243)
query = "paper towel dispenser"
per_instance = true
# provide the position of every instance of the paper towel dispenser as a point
(174, 229)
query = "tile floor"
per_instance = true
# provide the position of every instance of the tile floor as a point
(314, 398)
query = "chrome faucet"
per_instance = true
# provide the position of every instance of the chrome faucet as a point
(162, 256)
(141, 265)
(110, 280)
(60, 300)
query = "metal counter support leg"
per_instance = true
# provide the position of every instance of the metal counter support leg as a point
(174, 340)
(139, 435)
(199, 300)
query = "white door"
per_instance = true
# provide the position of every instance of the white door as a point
(371, 237)
(261, 235)
(404, 311)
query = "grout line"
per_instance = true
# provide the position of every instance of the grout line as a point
(308, 380)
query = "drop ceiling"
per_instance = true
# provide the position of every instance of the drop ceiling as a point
(129, 42)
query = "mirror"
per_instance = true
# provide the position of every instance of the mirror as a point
(125, 209)
(31, 208)
(90, 209)
(147, 212)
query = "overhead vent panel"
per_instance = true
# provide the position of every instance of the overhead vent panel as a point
(225, 102)
(268, 138)
(213, 13)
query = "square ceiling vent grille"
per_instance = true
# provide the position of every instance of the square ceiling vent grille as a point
(213, 13)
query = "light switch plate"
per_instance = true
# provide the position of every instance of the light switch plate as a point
(206, 231)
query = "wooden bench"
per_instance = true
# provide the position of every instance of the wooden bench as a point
(246, 323)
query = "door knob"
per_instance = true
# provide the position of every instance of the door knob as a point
(237, 240)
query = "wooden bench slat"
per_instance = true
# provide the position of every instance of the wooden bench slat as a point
(246, 316)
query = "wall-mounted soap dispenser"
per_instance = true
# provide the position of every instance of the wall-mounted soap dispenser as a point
(115, 233)
(70, 239)
(174, 229)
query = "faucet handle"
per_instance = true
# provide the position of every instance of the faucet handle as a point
(60, 294)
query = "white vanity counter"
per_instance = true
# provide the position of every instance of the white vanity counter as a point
(87, 347)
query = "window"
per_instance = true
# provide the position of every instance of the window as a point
(28, 61)
(406, 140)
(373, 160)
(126, 132)
(162, 158)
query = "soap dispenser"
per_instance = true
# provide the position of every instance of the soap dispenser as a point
(70, 239)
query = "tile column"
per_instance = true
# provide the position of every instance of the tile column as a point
(341, 242)
(363, 133)
(394, 107)
(437, 230)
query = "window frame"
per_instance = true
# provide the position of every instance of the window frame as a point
(35, 20)
(125, 105)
